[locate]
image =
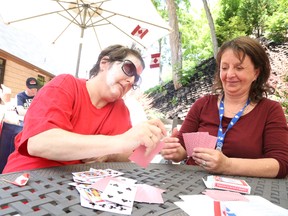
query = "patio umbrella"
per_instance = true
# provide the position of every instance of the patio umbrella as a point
(67, 24)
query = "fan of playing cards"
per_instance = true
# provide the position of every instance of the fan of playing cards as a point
(198, 139)
(107, 190)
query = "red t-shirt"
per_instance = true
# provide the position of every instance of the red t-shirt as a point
(262, 133)
(64, 103)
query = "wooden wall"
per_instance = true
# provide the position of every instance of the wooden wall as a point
(16, 71)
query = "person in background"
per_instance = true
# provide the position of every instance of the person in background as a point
(73, 120)
(24, 98)
(5, 95)
(251, 130)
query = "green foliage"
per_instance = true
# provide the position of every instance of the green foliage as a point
(252, 17)
(158, 89)
(186, 76)
(174, 100)
(195, 35)
(230, 29)
(277, 24)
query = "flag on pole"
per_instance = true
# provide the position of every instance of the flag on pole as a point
(139, 32)
(155, 60)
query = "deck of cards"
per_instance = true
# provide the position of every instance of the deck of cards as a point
(229, 184)
(107, 190)
(198, 139)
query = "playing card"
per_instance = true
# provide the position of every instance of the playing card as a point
(106, 206)
(90, 194)
(225, 195)
(138, 156)
(198, 139)
(102, 183)
(113, 173)
(120, 192)
(148, 194)
(94, 175)
(20, 180)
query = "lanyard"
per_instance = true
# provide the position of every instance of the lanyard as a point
(221, 135)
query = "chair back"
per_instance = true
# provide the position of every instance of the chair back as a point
(8, 133)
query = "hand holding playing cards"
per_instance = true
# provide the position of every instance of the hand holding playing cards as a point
(173, 150)
(148, 133)
(211, 159)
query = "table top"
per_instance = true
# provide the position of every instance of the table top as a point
(48, 193)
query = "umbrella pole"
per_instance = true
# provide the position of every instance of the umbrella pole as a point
(79, 52)
(81, 39)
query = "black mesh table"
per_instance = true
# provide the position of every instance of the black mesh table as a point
(48, 193)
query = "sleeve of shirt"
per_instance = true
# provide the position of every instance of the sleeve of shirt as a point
(276, 138)
(51, 108)
(20, 101)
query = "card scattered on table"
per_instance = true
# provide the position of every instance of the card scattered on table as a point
(20, 180)
(225, 183)
(138, 156)
(225, 195)
(107, 190)
(198, 139)
(120, 193)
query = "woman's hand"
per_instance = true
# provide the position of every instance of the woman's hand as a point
(172, 149)
(211, 159)
(148, 133)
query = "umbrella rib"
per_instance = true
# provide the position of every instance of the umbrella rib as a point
(62, 33)
(129, 17)
(119, 30)
(73, 19)
(40, 15)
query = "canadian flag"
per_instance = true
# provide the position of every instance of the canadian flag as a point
(155, 60)
(139, 32)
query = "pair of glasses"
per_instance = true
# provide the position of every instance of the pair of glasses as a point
(130, 70)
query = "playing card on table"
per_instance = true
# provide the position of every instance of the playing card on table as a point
(90, 194)
(148, 194)
(102, 183)
(109, 172)
(198, 139)
(225, 195)
(106, 206)
(120, 193)
(94, 175)
(20, 180)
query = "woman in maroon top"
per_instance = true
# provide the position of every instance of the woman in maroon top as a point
(251, 130)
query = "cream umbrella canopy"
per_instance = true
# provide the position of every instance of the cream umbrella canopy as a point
(78, 26)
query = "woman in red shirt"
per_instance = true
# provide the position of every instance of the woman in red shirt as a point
(74, 120)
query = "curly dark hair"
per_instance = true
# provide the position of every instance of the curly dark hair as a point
(243, 46)
(115, 53)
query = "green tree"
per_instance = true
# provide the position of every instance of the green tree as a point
(228, 24)
(277, 23)
(255, 14)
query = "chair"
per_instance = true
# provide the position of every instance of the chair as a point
(8, 133)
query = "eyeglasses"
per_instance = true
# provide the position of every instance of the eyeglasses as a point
(130, 70)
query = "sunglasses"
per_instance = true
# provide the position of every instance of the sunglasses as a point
(130, 70)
